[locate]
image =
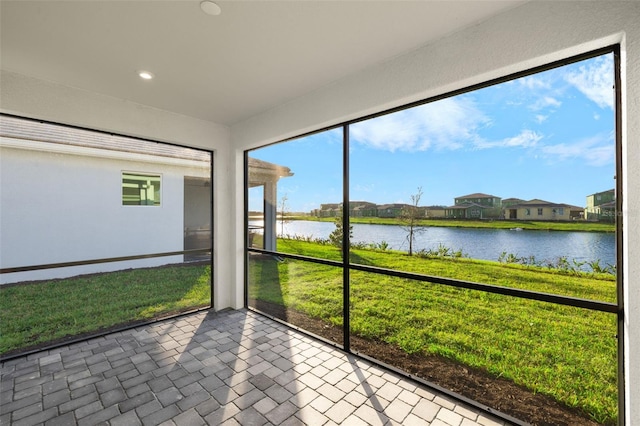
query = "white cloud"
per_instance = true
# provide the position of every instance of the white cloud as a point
(446, 124)
(595, 151)
(363, 188)
(595, 81)
(526, 139)
(541, 118)
(533, 82)
(545, 102)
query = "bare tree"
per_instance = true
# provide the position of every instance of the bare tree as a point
(410, 217)
(284, 210)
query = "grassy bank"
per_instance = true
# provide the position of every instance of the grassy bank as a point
(567, 353)
(576, 226)
(40, 312)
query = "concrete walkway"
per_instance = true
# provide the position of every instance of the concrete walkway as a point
(230, 368)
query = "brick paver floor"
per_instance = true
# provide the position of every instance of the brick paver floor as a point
(228, 368)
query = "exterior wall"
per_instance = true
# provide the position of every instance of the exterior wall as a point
(471, 212)
(369, 212)
(435, 213)
(502, 45)
(547, 213)
(389, 212)
(63, 207)
(602, 213)
(603, 197)
(483, 201)
(593, 211)
(475, 213)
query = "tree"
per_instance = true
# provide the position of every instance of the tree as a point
(336, 237)
(284, 209)
(410, 217)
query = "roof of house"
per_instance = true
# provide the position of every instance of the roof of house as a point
(478, 195)
(512, 199)
(542, 203)
(32, 130)
(361, 203)
(364, 207)
(393, 206)
(281, 171)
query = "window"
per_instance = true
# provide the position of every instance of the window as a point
(527, 212)
(140, 189)
(539, 211)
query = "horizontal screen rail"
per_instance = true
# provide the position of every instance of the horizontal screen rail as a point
(577, 302)
(97, 261)
(297, 257)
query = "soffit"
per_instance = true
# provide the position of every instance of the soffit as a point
(254, 56)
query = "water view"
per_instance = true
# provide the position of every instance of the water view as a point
(487, 244)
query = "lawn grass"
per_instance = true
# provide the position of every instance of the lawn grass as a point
(576, 226)
(41, 312)
(567, 353)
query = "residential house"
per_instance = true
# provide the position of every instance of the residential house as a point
(601, 206)
(490, 203)
(362, 209)
(543, 210)
(392, 210)
(327, 210)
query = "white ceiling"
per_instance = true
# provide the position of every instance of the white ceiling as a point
(226, 68)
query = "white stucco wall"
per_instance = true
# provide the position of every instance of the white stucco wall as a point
(534, 34)
(64, 207)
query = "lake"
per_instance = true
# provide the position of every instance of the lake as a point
(485, 244)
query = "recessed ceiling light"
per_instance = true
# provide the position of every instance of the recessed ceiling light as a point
(145, 75)
(210, 8)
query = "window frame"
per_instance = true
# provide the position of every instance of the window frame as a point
(160, 176)
(617, 308)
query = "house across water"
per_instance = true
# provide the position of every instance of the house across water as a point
(601, 206)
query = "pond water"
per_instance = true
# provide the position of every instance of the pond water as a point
(487, 244)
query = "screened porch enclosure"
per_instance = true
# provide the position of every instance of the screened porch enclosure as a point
(498, 331)
(98, 231)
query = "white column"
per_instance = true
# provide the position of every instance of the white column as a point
(270, 213)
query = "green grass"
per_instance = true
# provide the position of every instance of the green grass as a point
(565, 352)
(577, 226)
(41, 312)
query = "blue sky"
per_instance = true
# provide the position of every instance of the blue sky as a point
(548, 136)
